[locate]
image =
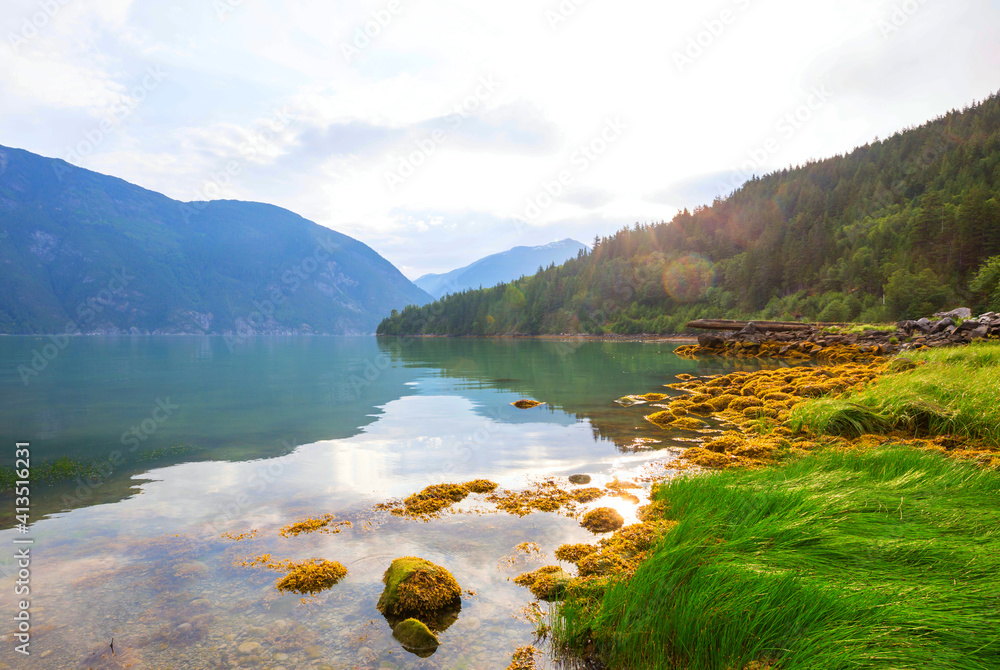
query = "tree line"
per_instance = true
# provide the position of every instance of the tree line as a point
(897, 228)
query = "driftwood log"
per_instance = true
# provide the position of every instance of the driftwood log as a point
(775, 326)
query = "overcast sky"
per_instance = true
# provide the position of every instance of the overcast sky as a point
(440, 131)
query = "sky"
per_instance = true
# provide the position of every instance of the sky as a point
(441, 131)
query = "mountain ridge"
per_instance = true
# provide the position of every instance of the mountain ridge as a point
(83, 252)
(504, 266)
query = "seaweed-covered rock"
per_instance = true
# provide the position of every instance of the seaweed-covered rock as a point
(524, 658)
(526, 404)
(416, 637)
(548, 583)
(311, 576)
(417, 588)
(602, 520)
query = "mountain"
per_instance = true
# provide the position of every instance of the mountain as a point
(895, 229)
(85, 252)
(503, 267)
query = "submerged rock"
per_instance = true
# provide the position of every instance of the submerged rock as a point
(526, 404)
(602, 520)
(416, 637)
(417, 588)
(579, 479)
(524, 658)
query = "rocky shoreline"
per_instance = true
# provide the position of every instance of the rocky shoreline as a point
(806, 341)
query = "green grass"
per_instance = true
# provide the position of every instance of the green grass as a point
(953, 391)
(858, 328)
(881, 559)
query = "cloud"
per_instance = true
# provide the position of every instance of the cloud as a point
(554, 87)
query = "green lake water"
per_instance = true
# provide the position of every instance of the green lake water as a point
(277, 429)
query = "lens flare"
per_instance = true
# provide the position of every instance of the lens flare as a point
(688, 278)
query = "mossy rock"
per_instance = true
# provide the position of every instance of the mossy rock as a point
(548, 583)
(579, 479)
(602, 520)
(417, 588)
(416, 637)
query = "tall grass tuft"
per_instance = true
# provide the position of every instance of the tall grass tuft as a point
(881, 559)
(953, 391)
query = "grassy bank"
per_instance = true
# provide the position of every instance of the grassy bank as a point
(835, 555)
(879, 559)
(952, 391)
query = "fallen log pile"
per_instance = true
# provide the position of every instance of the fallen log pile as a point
(782, 339)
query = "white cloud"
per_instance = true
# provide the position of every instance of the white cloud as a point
(556, 85)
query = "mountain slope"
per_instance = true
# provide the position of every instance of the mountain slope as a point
(84, 252)
(502, 267)
(894, 229)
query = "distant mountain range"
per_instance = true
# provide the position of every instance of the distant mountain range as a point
(82, 252)
(502, 267)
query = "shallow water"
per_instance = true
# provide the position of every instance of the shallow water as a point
(284, 428)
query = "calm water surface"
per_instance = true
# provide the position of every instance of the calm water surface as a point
(277, 429)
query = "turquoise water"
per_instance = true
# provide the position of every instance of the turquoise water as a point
(278, 429)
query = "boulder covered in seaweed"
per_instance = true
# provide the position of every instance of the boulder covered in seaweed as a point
(548, 583)
(416, 637)
(602, 520)
(526, 404)
(417, 588)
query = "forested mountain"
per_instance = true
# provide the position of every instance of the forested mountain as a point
(502, 267)
(894, 229)
(84, 252)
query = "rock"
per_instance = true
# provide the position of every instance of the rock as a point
(710, 341)
(957, 313)
(418, 588)
(579, 479)
(249, 647)
(602, 520)
(548, 583)
(970, 324)
(416, 637)
(941, 325)
(979, 333)
(923, 324)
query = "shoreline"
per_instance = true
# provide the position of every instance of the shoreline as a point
(829, 424)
